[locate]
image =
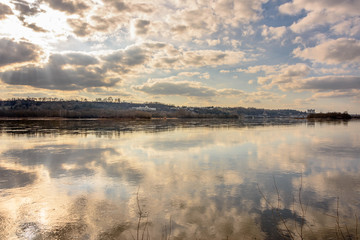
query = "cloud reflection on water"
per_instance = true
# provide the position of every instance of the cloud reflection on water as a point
(205, 179)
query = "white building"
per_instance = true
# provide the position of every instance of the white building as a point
(146, 108)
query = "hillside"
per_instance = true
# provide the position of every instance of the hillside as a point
(109, 109)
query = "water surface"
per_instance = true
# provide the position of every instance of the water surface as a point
(179, 180)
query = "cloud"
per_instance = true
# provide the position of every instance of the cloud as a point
(350, 27)
(110, 17)
(325, 83)
(126, 60)
(4, 10)
(189, 74)
(279, 75)
(81, 28)
(172, 87)
(68, 6)
(347, 7)
(273, 33)
(17, 52)
(234, 12)
(337, 51)
(355, 93)
(51, 77)
(79, 59)
(212, 57)
(72, 71)
(321, 12)
(122, 6)
(193, 23)
(158, 55)
(179, 88)
(141, 27)
(25, 8)
(313, 20)
(201, 19)
(296, 78)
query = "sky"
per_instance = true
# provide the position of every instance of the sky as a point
(276, 54)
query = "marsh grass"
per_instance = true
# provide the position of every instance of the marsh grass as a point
(292, 224)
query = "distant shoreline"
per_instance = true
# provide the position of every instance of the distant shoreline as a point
(28, 108)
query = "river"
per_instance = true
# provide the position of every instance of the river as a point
(172, 179)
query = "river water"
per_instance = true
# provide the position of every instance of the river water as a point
(171, 179)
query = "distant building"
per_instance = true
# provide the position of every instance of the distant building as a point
(146, 108)
(310, 111)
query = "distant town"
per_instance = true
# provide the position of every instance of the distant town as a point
(114, 108)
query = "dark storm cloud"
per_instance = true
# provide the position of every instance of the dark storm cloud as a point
(68, 6)
(4, 10)
(17, 52)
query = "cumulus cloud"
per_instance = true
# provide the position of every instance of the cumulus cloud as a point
(348, 7)
(284, 76)
(126, 60)
(17, 52)
(233, 12)
(336, 51)
(324, 83)
(212, 57)
(141, 27)
(51, 77)
(78, 70)
(279, 75)
(180, 88)
(296, 78)
(273, 33)
(78, 59)
(172, 87)
(349, 26)
(189, 74)
(313, 20)
(321, 12)
(68, 6)
(330, 86)
(166, 56)
(80, 28)
(199, 19)
(355, 93)
(26, 8)
(123, 6)
(72, 71)
(4, 10)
